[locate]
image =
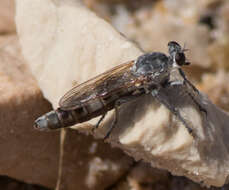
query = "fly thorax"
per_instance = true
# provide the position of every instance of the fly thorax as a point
(154, 66)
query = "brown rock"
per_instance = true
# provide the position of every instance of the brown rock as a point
(143, 173)
(90, 164)
(26, 154)
(7, 24)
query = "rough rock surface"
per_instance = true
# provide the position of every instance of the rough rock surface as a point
(26, 154)
(90, 164)
(68, 44)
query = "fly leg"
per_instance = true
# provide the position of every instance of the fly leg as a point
(200, 107)
(116, 107)
(187, 81)
(173, 109)
(114, 122)
(98, 123)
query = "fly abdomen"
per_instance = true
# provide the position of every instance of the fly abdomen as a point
(54, 120)
(65, 118)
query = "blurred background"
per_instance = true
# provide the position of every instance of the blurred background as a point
(201, 25)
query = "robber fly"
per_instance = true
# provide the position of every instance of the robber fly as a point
(121, 84)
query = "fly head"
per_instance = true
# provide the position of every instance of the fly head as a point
(176, 53)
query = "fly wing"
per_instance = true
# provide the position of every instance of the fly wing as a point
(98, 86)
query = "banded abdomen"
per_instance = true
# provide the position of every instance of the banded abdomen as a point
(60, 118)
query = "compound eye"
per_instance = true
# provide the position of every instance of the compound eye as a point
(180, 59)
(177, 57)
